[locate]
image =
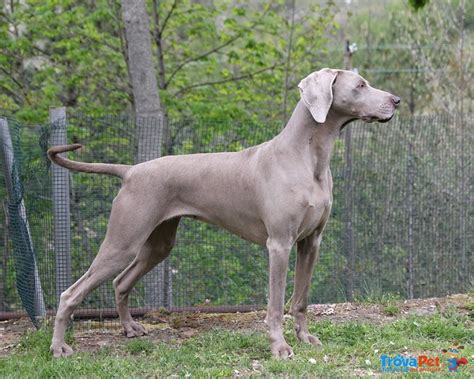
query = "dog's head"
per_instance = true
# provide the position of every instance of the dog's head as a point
(346, 93)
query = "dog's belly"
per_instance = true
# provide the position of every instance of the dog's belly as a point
(253, 231)
(249, 229)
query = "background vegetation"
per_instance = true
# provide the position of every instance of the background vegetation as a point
(231, 67)
(234, 60)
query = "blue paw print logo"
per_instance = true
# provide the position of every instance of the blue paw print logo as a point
(454, 361)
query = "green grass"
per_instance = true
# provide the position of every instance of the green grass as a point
(390, 302)
(350, 349)
(470, 307)
(137, 346)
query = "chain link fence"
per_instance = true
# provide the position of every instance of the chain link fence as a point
(401, 220)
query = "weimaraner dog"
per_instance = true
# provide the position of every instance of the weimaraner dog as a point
(275, 194)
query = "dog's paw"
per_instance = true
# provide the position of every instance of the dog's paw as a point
(134, 329)
(281, 350)
(61, 349)
(308, 338)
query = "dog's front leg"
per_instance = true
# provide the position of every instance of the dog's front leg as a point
(307, 255)
(279, 253)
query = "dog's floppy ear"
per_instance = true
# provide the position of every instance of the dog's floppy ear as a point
(316, 93)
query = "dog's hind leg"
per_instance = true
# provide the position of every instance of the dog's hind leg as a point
(129, 227)
(108, 262)
(157, 247)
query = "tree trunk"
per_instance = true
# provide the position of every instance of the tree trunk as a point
(148, 116)
(148, 113)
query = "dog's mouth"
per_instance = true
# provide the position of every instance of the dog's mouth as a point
(370, 119)
(384, 120)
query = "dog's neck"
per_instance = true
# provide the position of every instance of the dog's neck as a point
(311, 141)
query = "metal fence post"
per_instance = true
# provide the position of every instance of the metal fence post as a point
(410, 204)
(61, 210)
(21, 234)
(349, 210)
(348, 174)
(464, 271)
(157, 283)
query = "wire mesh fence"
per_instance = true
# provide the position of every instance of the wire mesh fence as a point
(401, 220)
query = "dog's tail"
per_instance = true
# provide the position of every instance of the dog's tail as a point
(96, 168)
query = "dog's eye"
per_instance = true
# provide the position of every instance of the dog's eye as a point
(361, 85)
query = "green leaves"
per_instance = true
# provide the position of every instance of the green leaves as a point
(220, 59)
(418, 4)
(62, 53)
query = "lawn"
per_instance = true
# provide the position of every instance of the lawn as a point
(236, 345)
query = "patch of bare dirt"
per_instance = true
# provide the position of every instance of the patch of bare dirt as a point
(11, 332)
(377, 312)
(421, 307)
(91, 336)
(206, 321)
(177, 327)
(173, 328)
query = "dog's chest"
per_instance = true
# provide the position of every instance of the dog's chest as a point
(316, 214)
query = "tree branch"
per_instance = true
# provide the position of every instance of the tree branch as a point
(19, 100)
(216, 48)
(15, 80)
(12, 11)
(288, 60)
(199, 57)
(157, 34)
(168, 16)
(123, 45)
(249, 75)
(5, 16)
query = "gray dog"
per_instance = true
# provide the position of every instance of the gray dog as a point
(275, 194)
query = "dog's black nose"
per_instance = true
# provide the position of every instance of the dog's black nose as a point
(396, 100)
